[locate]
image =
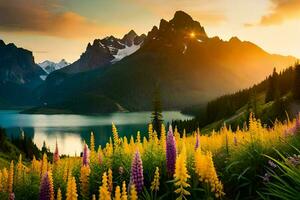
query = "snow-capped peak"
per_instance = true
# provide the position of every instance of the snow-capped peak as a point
(49, 66)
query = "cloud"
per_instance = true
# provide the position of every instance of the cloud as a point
(282, 10)
(45, 18)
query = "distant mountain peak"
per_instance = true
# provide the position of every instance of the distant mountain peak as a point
(49, 66)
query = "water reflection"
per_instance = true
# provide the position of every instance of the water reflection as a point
(71, 130)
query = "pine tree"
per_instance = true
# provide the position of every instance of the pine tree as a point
(157, 118)
(273, 89)
(296, 87)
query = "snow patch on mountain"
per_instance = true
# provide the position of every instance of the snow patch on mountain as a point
(49, 66)
(122, 53)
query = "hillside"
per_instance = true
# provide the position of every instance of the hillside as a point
(177, 57)
(234, 108)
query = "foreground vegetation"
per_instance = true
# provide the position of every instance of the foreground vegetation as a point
(251, 163)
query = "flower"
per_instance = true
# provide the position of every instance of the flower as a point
(56, 154)
(71, 189)
(155, 182)
(10, 181)
(204, 168)
(137, 177)
(181, 175)
(103, 190)
(197, 145)
(117, 193)
(85, 156)
(124, 191)
(45, 193)
(133, 193)
(58, 196)
(170, 152)
(84, 180)
(110, 180)
(11, 196)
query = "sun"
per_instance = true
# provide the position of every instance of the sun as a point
(192, 35)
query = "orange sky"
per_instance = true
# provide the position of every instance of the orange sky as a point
(61, 29)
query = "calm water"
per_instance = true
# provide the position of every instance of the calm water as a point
(71, 130)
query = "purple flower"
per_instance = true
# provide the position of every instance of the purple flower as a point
(11, 196)
(56, 154)
(170, 152)
(294, 160)
(272, 164)
(85, 156)
(137, 177)
(266, 177)
(197, 145)
(45, 193)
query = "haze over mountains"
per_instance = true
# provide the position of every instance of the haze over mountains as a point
(177, 57)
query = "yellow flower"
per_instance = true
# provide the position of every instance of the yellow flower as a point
(84, 180)
(155, 182)
(50, 177)
(10, 181)
(133, 193)
(115, 135)
(206, 171)
(71, 189)
(103, 190)
(110, 180)
(124, 191)
(181, 175)
(44, 167)
(58, 196)
(117, 193)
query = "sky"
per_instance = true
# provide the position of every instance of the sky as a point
(58, 29)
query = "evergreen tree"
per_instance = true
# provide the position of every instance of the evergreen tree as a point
(273, 90)
(156, 117)
(296, 87)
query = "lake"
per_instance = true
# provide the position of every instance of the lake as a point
(71, 130)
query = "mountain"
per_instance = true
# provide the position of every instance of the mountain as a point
(19, 74)
(103, 52)
(49, 66)
(177, 57)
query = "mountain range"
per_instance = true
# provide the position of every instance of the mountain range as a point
(49, 66)
(177, 57)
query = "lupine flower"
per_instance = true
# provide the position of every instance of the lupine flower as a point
(181, 175)
(94, 197)
(155, 182)
(170, 152)
(266, 178)
(84, 180)
(10, 181)
(124, 191)
(110, 180)
(204, 168)
(137, 177)
(163, 137)
(56, 154)
(58, 196)
(197, 145)
(71, 189)
(44, 166)
(100, 155)
(45, 193)
(85, 156)
(133, 193)
(272, 164)
(103, 190)
(11, 196)
(117, 193)
(50, 177)
(294, 160)
(115, 135)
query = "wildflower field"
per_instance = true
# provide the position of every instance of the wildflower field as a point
(253, 162)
